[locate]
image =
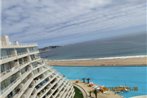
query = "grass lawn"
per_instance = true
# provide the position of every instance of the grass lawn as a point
(78, 93)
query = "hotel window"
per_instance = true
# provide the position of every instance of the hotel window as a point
(25, 69)
(26, 59)
(32, 57)
(35, 64)
(33, 49)
(7, 66)
(9, 81)
(21, 61)
(14, 92)
(21, 51)
(6, 53)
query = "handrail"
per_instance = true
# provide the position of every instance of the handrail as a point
(79, 87)
(6, 56)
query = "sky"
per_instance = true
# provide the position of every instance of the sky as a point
(61, 22)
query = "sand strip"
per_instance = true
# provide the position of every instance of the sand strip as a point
(108, 61)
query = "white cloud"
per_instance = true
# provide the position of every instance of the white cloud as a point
(38, 20)
(94, 3)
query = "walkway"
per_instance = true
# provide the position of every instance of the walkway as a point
(85, 95)
(85, 89)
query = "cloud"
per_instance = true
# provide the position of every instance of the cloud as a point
(58, 20)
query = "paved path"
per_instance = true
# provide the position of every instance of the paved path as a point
(85, 90)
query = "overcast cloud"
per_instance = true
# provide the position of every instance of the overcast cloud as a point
(59, 22)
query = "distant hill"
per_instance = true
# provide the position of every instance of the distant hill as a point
(48, 48)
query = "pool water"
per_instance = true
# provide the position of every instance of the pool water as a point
(111, 76)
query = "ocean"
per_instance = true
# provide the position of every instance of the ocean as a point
(110, 77)
(121, 46)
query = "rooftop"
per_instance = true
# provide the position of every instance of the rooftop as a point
(5, 43)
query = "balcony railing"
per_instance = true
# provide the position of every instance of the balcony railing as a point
(15, 83)
(66, 91)
(15, 69)
(19, 45)
(8, 71)
(49, 86)
(53, 90)
(21, 53)
(60, 88)
(30, 90)
(6, 56)
(24, 87)
(2, 91)
(35, 94)
(62, 93)
(12, 57)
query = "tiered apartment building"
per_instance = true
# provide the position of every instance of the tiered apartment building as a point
(25, 75)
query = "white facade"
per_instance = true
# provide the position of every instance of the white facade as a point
(25, 75)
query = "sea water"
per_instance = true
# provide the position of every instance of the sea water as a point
(125, 46)
(111, 77)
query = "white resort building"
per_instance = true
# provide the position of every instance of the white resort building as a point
(25, 75)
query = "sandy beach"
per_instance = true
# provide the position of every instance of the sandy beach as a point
(107, 61)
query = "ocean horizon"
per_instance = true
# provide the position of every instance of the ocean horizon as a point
(123, 46)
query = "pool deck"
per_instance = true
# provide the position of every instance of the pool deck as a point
(85, 90)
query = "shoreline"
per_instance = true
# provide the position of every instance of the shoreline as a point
(115, 57)
(139, 60)
(99, 66)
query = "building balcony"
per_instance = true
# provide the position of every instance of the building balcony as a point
(41, 70)
(12, 58)
(67, 90)
(62, 85)
(14, 45)
(48, 90)
(21, 53)
(38, 66)
(63, 92)
(35, 83)
(70, 93)
(5, 57)
(15, 69)
(23, 88)
(8, 73)
(9, 88)
(15, 57)
(14, 84)
(48, 75)
(34, 52)
(38, 90)
(8, 59)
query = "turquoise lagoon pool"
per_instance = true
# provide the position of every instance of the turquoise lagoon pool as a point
(111, 76)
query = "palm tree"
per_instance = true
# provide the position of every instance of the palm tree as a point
(95, 92)
(83, 80)
(88, 80)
